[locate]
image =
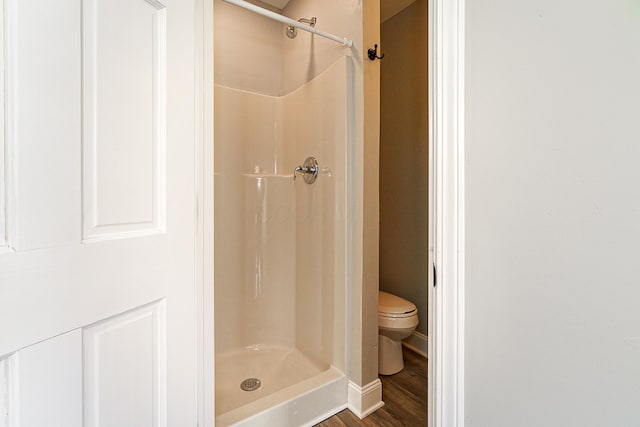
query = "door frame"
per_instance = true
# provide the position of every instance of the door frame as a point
(446, 213)
(205, 198)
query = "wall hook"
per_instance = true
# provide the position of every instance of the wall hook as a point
(373, 53)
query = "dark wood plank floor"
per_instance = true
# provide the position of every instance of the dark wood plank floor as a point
(404, 395)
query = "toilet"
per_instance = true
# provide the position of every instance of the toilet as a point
(397, 319)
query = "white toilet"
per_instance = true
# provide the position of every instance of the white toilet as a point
(397, 319)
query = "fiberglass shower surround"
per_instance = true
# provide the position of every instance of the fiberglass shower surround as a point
(280, 284)
(280, 244)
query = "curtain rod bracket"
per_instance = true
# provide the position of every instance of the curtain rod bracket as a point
(292, 31)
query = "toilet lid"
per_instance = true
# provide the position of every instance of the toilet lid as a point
(393, 305)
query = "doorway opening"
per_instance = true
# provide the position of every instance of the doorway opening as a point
(446, 197)
(404, 191)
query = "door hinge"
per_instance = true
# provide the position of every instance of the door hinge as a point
(435, 275)
(4, 394)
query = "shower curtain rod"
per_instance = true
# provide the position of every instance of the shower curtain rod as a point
(264, 12)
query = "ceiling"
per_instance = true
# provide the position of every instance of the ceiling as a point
(389, 8)
(280, 4)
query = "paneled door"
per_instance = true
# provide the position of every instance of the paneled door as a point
(98, 213)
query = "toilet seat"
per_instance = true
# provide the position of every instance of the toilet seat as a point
(398, 315)
(409, 322)
(395, 312)
(393, 306)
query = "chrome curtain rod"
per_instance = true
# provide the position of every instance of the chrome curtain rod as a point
(264, 12)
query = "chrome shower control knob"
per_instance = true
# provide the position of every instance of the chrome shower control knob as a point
(309, 170)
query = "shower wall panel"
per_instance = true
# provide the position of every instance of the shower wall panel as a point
(280, 244)
(316, 125)
(268, 293)
(248, 132)
(254, 222)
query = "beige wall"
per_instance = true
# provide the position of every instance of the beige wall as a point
(308, 55)
(255, 44)
(371, 208)
(403, 158)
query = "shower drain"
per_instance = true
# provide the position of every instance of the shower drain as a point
(250, 384)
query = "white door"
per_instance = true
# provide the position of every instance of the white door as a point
(98, 199)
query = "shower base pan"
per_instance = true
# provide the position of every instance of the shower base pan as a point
(284, 388)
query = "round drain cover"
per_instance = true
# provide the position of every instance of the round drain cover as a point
(250, 384)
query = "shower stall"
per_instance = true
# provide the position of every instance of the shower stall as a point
(280, 242)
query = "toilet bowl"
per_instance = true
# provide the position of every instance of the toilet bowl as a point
(397, 319)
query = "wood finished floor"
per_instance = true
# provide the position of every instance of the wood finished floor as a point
(404, 395)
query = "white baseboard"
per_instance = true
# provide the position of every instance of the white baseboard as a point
(417, 342)
(363, 401)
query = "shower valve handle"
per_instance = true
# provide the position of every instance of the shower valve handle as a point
(309, 170)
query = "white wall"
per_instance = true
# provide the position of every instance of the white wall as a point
(553, 213)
